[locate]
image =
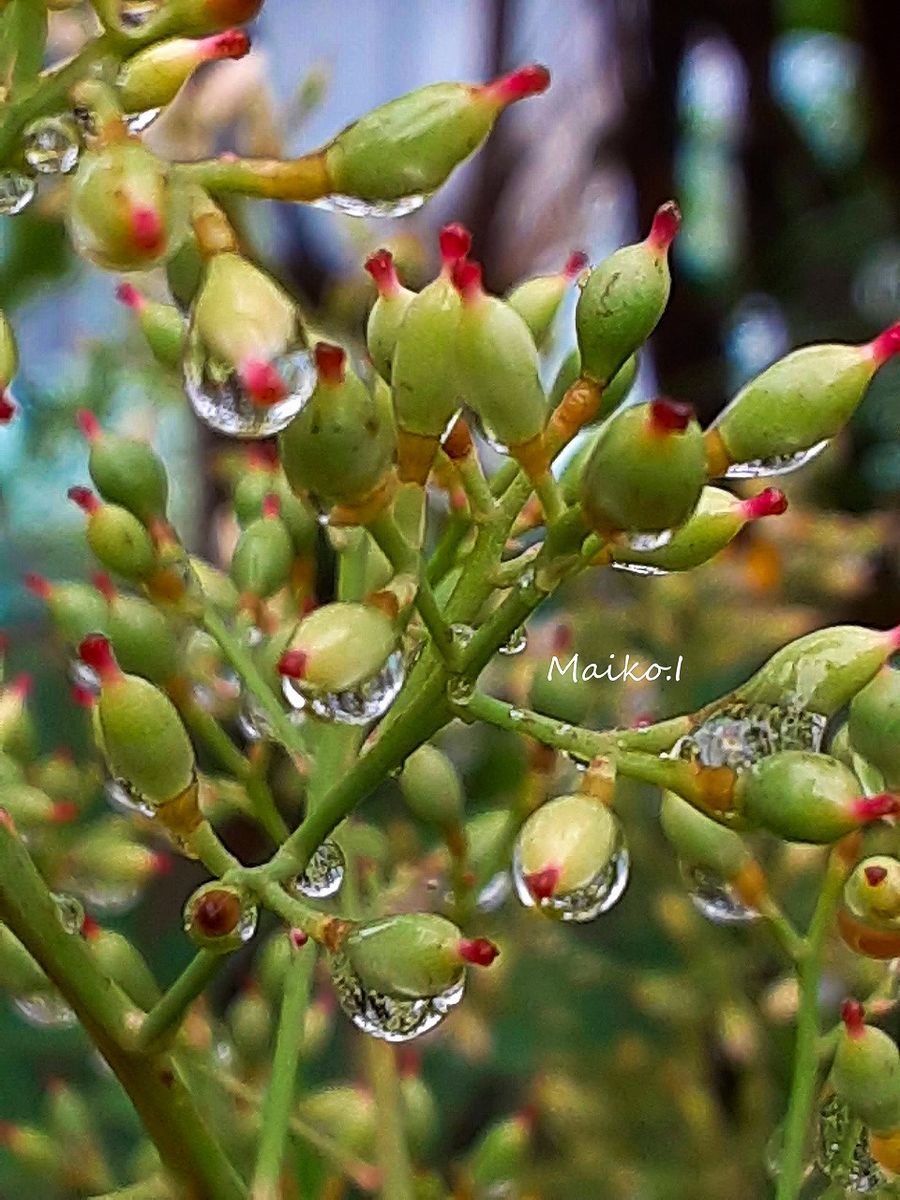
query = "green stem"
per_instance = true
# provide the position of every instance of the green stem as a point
(166, 1016)
(806, 1063)
(393, 1153)
(782, 930)
(279, 1099)
(204, 842)
(444, 556)
(299, 179)
(478, 493)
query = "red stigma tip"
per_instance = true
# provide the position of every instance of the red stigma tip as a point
(104, 586)
(466, 278)
(147, 231)
(873, 808)
(770, 503)
(21, 686)
(7, 408)
(263, 456)
(84, 498)
(331, 363)
(83, 697)
(542, 884)
(298, 938)
(854, 1017)
(160, 864)
(293, 664)
(875, 876)
(886, 345)
(669, 416)
(7, 822)
(38, 586)
(478, 952)
(271, 506)
(88, 424)
(64, 811)
(263, 382)
(380, 266)
(455, 242)
(230, 43)
(90, 928)
(95, 651)
(518, 85)
(666, 223)
(574, 265)
(127, 294)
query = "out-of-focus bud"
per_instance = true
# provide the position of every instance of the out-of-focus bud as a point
(866, 1070)
(76, 609)
(31, 808)
(162, 325)
(123, 964)
(9, 364)
(345, 1112)
(699, 841)
(624, 297)
(219, 917)
(116, 536)
(17, 734)
(500, 1154)
(152, 78)
(413, 955)
(72, 1126)
(126, 471)
(262, 558)
(874, 724)
(142, 636)
(537, 300)
(432, 789)
(386, 313)
(33, 1148)
(207, 16)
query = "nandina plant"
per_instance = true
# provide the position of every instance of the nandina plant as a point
(215, 689)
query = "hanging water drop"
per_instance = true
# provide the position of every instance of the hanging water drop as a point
(121, 799)
(842, 1150)
(779, 464)
(739, 734)
(353, 206)
(390, 1018)
(495, 892)
(107, 898)
(52, 145)
(139, 121)
(324, 873)
(359, 705)
(253, 722)
(715, 898)
(83, 677)
(517, 643)
(648, 541)
(644, 569)
(16, 192)
(45, 1010)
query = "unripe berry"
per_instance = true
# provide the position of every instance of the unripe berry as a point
(387, 312)
(262, 558)
(717, 520)
(699, 841)
(126, 471)
(125, 212)
(142, 636)
(413, 955)
(874, 724)
(866, 1070)
(432, 788)
(646, 471)
(340, 447)
(219, 917)
(76, 609)
(409, 146)
(162, 325)
(799, 401)
(624, 297)
(806, 797)
(537, 300)
(116, 536)
(143, 740)
(153, 77)
(338, 646)
(498, 371)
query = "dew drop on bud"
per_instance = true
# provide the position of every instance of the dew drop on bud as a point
(649, 541)
(779, 464)
(218, 917)
(253, 722)
(83, 677)
(389, 1018)
(644, 569)
(360, 705)
(139, 121)
(122, 799)
(104, 896)
(495, 892)
(45, 1010)
(842, 1150)
(585, 903)
(52, 145)
(16, 192)
(324, 873)
(715, 898)
(739, 734)
(134, 14)
(353, 206)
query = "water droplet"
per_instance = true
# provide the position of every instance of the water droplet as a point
(139, 121)
(134, 14)
(252, 637)
(253, 723)
(52, 145)
(109, 899)
(390, 1018)
(517, 643)
(715, 897)
(16, 192)
(83, 677)
(644, 569)
(221, 401)
(779, 464)
(360, 705)
(842, 1150)
(45, 1010)
(649, 541)
(71, 914)
(241, 933)
(324, 873)
(353, 206)
(740, 734)
(495, 892)
(122, 799)
(586, 903)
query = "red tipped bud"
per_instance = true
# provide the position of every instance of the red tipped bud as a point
(478, 952)
(90, 928)
(231, 43)
(666, 223)
(886, 345)
(455, 242)
(104, 586)
(127, 294)
(873, 808)
(668, 416)
(263, 383)
(293, 664)
(64, 811)
(854, 1017)
(518, 85)
(466, 278)
(875, 875)
(147, 230)
(82, 696)
(331, 363)
(88, 424)
(84, 498)
(160, 864)
(542, 884)
(770, 503)
(21, 686)
(7, 408)
(575, 264)
(96, 652)
(271, 506)
(298, 938)
(263, 456)
(38, 586)
(380, 266)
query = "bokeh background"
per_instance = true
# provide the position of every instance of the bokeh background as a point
(651, 1047)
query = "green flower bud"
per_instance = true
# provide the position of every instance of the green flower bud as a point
(806, 797)
(219, 917)
(872, 891)
(424, 368)
(646, 471)
(338, 646)
(162, 325)
(717, 520)
(63, 779)
(153, 77)
(215, 585)
(116, 536)
(20, 974)
(340, 447)
(9, 364)
(500, 1154)
(262, 558)
(17, 735)
(206, 16)
(259, 480)
(387, 313)
(118, 959)
(823, 670)
(125, 213)
(143, 739)
(76, 609)
(624, 297)
(126, 471)
(798, 402)
(410, 146)
(142, 636)
(34, 1149)
(413, 955)
(250, 1019)
(700, 841)
(487, 835)
(106, 855)
(866, 1070)
(537, 301)
(874, 724)
(346, 1113)
(498, 370)
(32, 808)
(432, 789)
